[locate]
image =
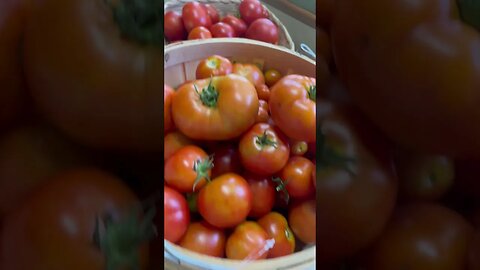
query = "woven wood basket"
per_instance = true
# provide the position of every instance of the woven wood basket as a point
(225, 7)
(180, 63)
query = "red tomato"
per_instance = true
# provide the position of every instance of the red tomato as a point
(61, 218)
(221, 29)
(214, 65)
(277, 228)
(293, 108)
(226, 201)
(264, 149)
(203, 238)
(272, 76)
(263, 115)
(251, 72)
(250, 10)
(173, 142)
(212, 12)
(237, 24)
(226, 160)
(247, 242)
(263, 30)
(302, 220)
(199, 32)
(263, 192)
(187, 169)
(297, 174)
(263, 91)
(221, 108)
(177, 215)
(174, 28)
(195, 14)
(168, 93)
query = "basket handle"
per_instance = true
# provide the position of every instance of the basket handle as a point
(309, 52)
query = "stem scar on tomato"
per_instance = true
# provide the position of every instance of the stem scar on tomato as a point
(282, 187)
(201, 167)
(209, 95)
(263, 140)
(329, 157)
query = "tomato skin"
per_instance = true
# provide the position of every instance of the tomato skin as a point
(60, 219)
(214, 65)
(203, 238)
(292, 109)
(221, 29)
(173, 142)
(194, 14)
(264, 149)
(226, 201)
(415, 227)
(237, 24)
(251, 72)
(168, 93)
(263, 30)
(272, 76)
(263, 92)
(179, 169)
(247, 241)
(212, 12)
(297, 173)
(263, 115)
(177, 215)
(302, 220)
(250, 10)
(174, 29)
(226, 160)
(277, 228)
(261, 187)
(235, 110)
(199, 32)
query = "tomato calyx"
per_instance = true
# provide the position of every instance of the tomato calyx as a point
(201, 167)
(329, 157)
(139, 20)
(209, 95)
(120, 241)
(312, 92)
(469, 12)
(192, 202)
(281, 187)
(264, 140)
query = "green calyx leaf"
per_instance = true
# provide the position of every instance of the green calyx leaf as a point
(281, 187)
(470, 12)
(209, 95)
(202, 168)
(312, 92)
(329, 157)
(264, 140)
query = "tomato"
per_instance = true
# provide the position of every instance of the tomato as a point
(226, 201)
(250, 10)
(222, 109)
(272, 76)
(277, 228)
(199, 32)
(168, 93)
(226, 159)
(263, 92)
(356, 185)
(237, 24)
(214, 65)
(251, 72)
(297, 174)
(302, 220)
(221, 29)
(174, 28)
(398, 70)
(203, 238)
(263, 192)
(195, 14)
(474, 252)
(173, 142)
(424, 177)
(212, 13)
(112, 97)
(62, 218)
(299, 148)
(263, 30)
(247, 242)
(177, 215)
(264, 149)
(422, 236)
(293, 108)
(188, 169)
(263, 115)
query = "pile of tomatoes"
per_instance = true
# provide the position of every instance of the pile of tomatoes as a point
(240, 161)
(202, 21)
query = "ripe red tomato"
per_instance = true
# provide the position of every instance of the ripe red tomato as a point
(263, 192)
(237, 24)
(177, 215)
(226, 201)
(251, 72)
(250, 10)
(214, 65)
(277, 228)
(263, 115)
(226, 160)
(212, 12)
(60, 218)
(422, 236)
(221, 29)
(203, 238)
(297, 174)
(188, 169)
(263, 91)
(302, 220)
(220, 108)
(293, 108)
(263, 30)
(199, 32)
(264, 149)
(168, 93)
(174, 28)
(248, 241)
(173, 142)
(195, 14)
(272, 76)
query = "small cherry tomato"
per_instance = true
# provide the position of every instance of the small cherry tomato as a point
(174, 141)
(214, 65)
(297, 175)
(248, 241)
(263, 114)
(263, 30)
(221, 29)
(251, 72)
(199, 32)
(212, 12)
(302, 220)
(176, 216)
(250, 10)
(277, 228)
(238, 25)
(263, 190)
(174, 29)
(272, 76)
(263, 92)
(203, 238)
(194, 15)
(299, 148)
